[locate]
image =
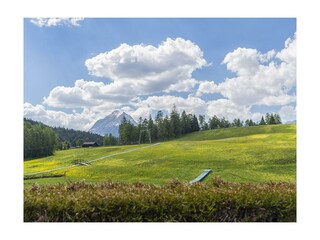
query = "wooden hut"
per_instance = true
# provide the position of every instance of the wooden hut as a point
(90, 144)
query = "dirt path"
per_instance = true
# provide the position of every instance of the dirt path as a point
(93, 160)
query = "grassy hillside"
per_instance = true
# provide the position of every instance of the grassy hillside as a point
(251, 154)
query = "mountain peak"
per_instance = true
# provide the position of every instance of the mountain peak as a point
(117, 113)
(110, 124)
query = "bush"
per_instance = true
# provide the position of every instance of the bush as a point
(217, 201)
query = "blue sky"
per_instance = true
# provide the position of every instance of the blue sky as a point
(76, 70)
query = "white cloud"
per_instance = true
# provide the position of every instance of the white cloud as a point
(146, 69)
(81, 121)
(243, 61)
(53, 22)
(229, 110)
(165, 103)
(206, 87)
(86, 94)
(182, 86)
(277, 100)
(287, 113)
(143, 112)
(267, 56)
(261, 79)
(288, 54)
(287, 69)
(166, 68)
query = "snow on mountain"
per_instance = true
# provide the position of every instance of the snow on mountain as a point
(110, 124)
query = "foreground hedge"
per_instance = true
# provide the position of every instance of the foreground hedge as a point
(217, 201)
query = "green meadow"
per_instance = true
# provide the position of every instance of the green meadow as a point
(249, 154)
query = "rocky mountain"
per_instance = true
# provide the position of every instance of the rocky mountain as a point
(110, 124)
(292, 122)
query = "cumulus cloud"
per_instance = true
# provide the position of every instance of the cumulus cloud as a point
(87, 94)
(277, 100)
(134, 71)
(182, 86)
(53, 22)
(288, 54)
(81, 121)
(146, 69)
(229, 110)
(287, 113)
(261, 79)
(165, 103)
(206, 87)
(243, 61)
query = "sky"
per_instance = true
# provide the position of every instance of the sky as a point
(77, 70)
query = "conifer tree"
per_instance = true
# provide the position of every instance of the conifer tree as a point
(195, 125)
(272, 120)
(262, 122)
(175, 122)
(277, 119)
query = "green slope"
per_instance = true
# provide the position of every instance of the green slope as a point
(251, 154)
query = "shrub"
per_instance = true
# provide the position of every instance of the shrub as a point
(216, 201)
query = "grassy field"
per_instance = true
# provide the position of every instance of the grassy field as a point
(250, 154)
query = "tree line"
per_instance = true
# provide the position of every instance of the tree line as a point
(163, 128)
(39, 140)
(73, 138)
(160, 129)
(216, 122)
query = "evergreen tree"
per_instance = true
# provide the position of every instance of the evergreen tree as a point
(272, 120)
(237, 122)
(249, 122)
(214, 122)
(144, 132)
(175, 122)
(195, 125)
(79, 142)
(205, 126)
(189, 127)
(110, 140)
(277, 119)
(267, 118)
(125, 132)
(224, 123)
(262, 122)
(202, 121)
(160, 126)
(168, 131)
(184, 122)
(152, 129)
(39, 140)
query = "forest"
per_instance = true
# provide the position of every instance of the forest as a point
(164, 128)
(41, 140)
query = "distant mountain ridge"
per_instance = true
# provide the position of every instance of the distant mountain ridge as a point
(110, 124)
(292, 122)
